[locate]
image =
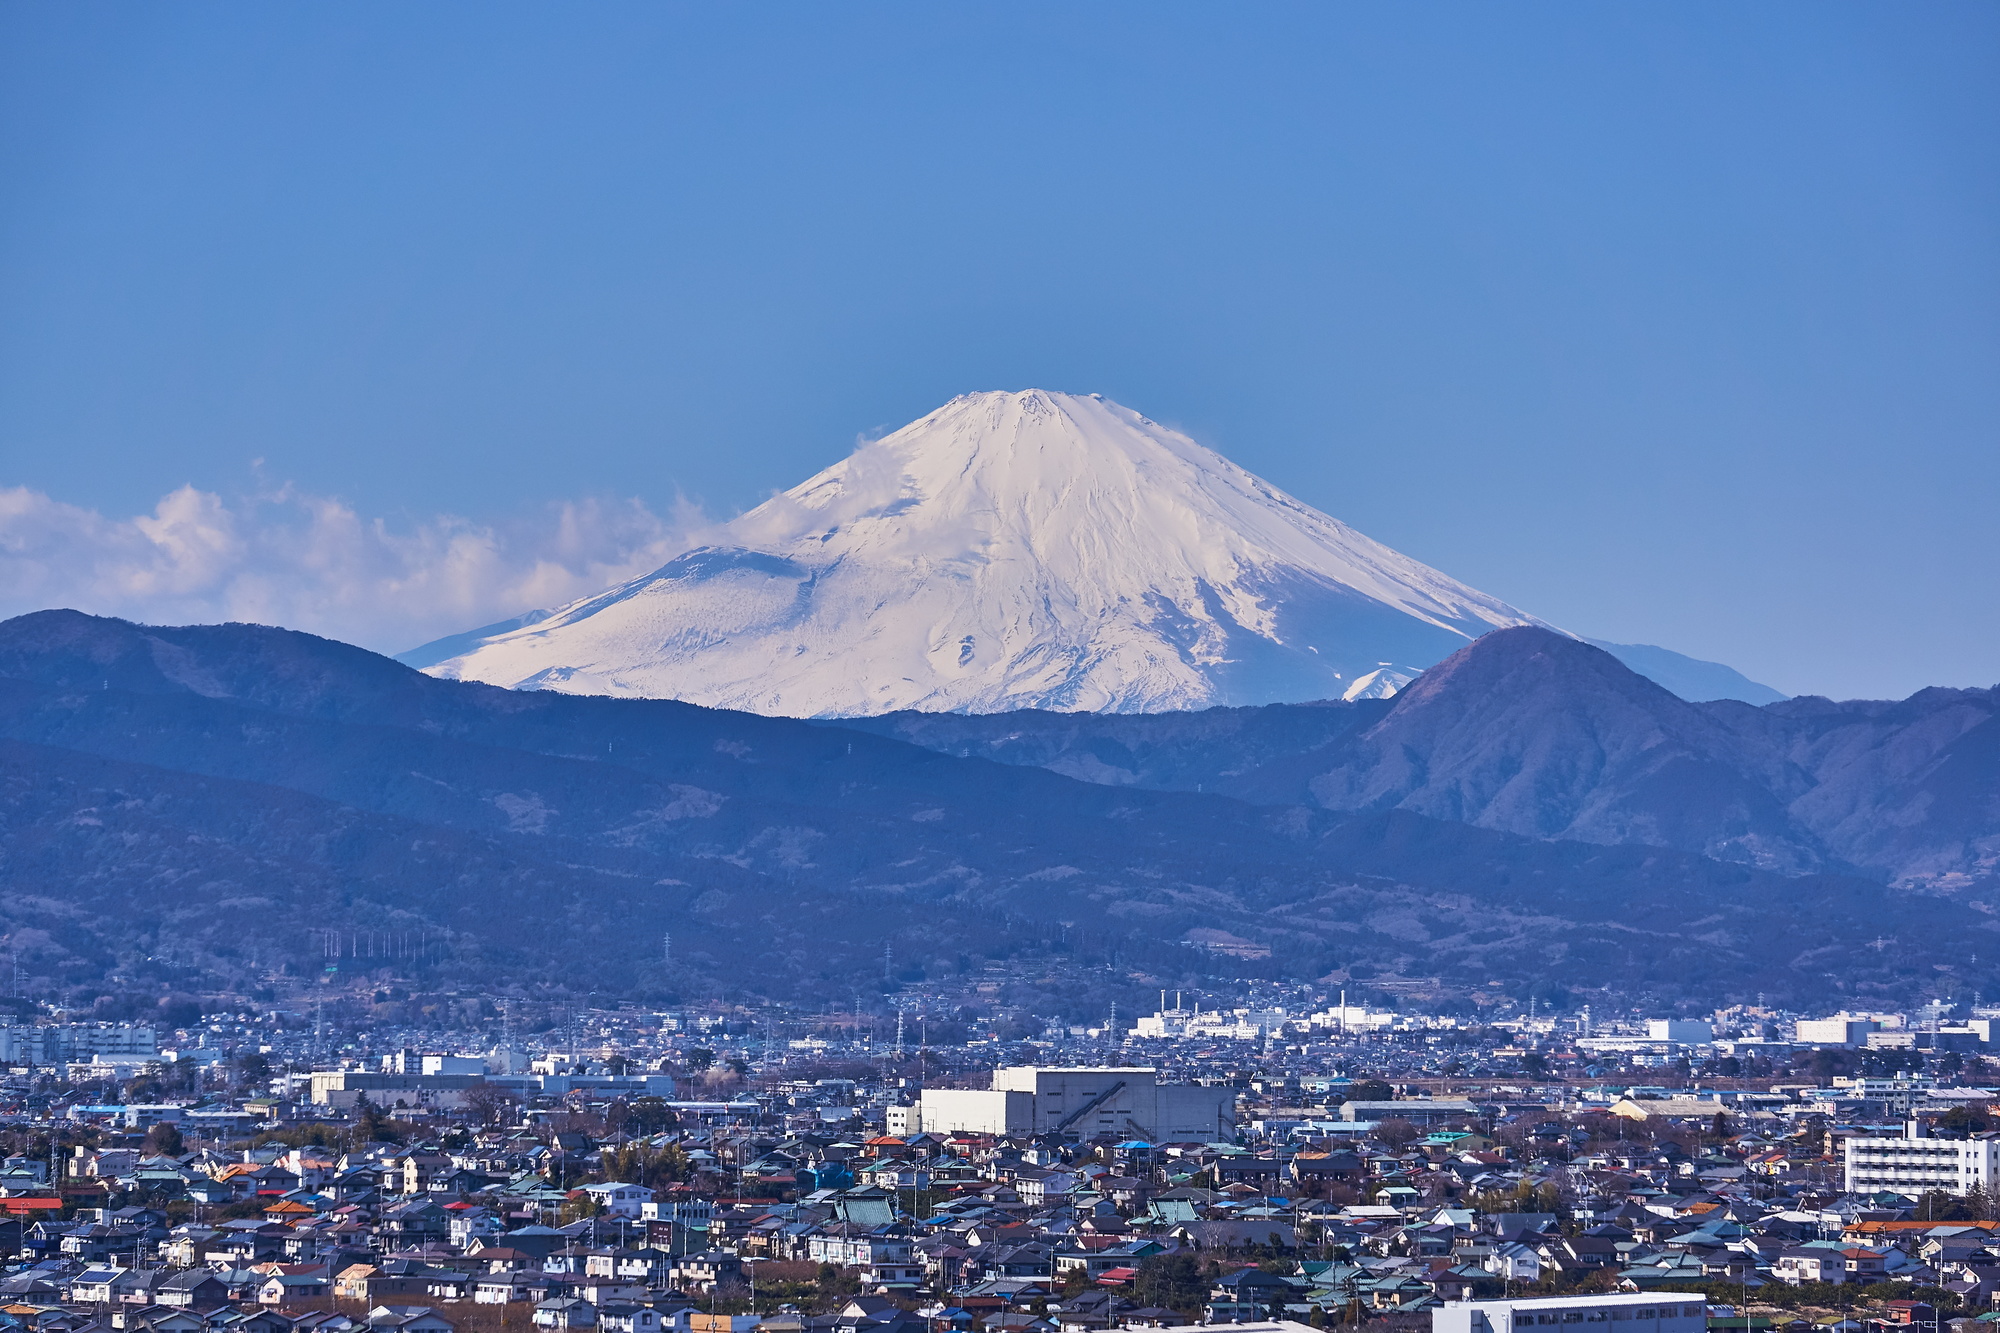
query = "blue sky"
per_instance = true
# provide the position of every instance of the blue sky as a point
(1671, 324)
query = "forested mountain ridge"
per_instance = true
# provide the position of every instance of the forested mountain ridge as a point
(1531, 732)
(200, 804)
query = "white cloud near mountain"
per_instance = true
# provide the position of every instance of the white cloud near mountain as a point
(310, 562)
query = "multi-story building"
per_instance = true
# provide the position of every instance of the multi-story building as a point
(1913, 1164)
(1636, 1312)
(58, 1043)
(881, 1259)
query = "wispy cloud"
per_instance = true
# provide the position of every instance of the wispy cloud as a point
(312, 563)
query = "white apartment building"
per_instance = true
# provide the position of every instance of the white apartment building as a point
(60, 1043)
(1912, 1164)
(1632, 1312)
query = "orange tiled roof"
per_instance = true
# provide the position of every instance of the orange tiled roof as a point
(1868, 1228)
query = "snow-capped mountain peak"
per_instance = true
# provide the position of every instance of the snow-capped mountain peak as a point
(1010, 550)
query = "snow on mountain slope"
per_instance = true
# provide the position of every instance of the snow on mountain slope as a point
(1010, 550)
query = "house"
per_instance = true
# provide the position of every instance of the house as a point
(416, 1221)
(1813, 1263)
(93, 1286)
(566, 1312)
(601, 1291)
(620, 1317)
(706, 1269)
(250, 1321)
(160, 1319)
(1514, 1261)
(882, 1258)
(620, 1200)
(291, 1288)
(409, 1319)
(1235, 1235)
(371, 1282)
(448, 1285)
(1249, 1295)
(1326, 1168)
(520, 1285)
(326, 1321)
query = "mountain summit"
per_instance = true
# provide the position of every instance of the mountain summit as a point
(1010, 550)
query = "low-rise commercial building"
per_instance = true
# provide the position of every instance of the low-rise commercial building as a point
(1031, 1099)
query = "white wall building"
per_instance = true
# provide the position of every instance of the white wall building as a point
(1912, 1164)
(1833, 1031)
(620, 1199)
(1030, 1099)
(60, 1043)
(1633, 1312)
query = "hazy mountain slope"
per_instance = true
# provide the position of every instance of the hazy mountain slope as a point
(1009, 550)
(201, 794)
(1229, 751)
(1541, 735)
(163, 877)
(1689, 677)
(1909, 788)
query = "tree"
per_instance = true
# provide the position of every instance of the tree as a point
(579, 1204)
(370, 1124)
(1938, 1206)
(1965, 1120)
(164, 1140)
(489, 1103)
(1396, 1132)
(651, 1115)
(251, 1067)
(1170, 1281)
(642, 1166)
(700, 1058)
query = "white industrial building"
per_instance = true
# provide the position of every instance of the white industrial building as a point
(1839, 1031)
(1029, 1099)
(1629, 1312)
(1913, 1164)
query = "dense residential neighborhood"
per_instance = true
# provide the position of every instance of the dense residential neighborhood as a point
(1291, 1159)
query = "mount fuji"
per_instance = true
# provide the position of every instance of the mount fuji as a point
(1007, 551)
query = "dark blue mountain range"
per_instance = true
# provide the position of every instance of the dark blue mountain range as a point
(208, 806)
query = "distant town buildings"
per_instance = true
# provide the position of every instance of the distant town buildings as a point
(1291, 1161)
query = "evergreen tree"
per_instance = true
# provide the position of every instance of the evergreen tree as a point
(1170, 1281)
